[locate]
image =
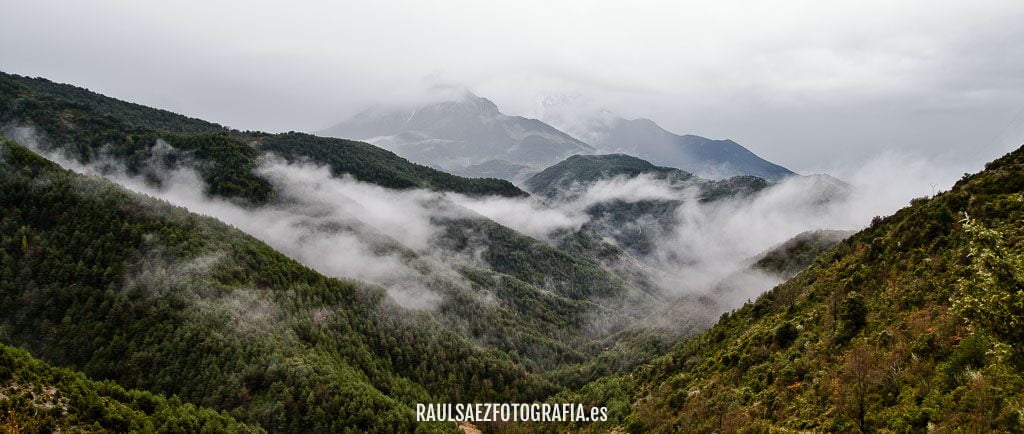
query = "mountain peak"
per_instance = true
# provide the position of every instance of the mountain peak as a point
(708, 158)
(472, 99)
(643, 137)
(461, 134)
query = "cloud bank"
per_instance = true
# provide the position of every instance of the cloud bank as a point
(350, 229)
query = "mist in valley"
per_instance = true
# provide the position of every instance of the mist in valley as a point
(345, 228)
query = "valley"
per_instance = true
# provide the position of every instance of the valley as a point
(158, 265)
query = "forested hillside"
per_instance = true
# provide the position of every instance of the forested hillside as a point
(547, 296)
(120, 304)
(124, 287)
(579, 171)
(636, 224)
(912, 324)
(796, 254)
(90, 127)
(131, 289)
(35, 397)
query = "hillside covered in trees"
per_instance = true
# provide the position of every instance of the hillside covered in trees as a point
(114, 284)
(35, 397)
(90, 126)
(131, 289)
(547, 295)
(912, 324)
(183, 322)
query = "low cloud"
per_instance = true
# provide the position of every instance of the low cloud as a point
(350, 229)
(528, 216)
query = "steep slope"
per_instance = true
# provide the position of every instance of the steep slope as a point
(132, 289)
(91, 127)
(136, 115)
(463, 132)
(912, 324)
(35, 397)
(707, 158)
(499, 288)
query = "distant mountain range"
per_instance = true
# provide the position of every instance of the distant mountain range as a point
(468, 135)
(636, 225)
(707, 158)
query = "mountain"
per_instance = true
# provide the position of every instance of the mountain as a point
(579, 171)
(522, 307)
(634, 222)
(90, 127)
(36, 397)
(131, 289)
(468, 260)
(707, 158)
(465, 135)
(497, 169)
(909, 325)
(796, 254)
(296, 283)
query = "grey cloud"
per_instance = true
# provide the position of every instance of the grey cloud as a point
(803, 84)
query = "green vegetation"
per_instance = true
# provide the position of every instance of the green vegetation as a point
(635, 225)
(912, 324)
(134, 290)
(532, 261)
(545, 297)
(799, 252)
(540, 319)
(35, 397)
(135, 115)
(558, 180)
(92, 127)
(369, 163)
(909, 325)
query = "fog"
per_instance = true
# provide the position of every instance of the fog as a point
(336, 226)
(350, 229)
(715, 241)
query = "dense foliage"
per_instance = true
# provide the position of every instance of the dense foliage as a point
(634, 225)
(912, 324)
(799, 252)
(369, 163)
(35, 397)
(136, 115)
(581, 170)
(131, 289)
(909, 325)
(546, 297)
(90, 127)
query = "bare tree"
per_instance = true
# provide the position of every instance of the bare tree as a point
(861, 373)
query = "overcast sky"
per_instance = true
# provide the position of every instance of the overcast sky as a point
(809, 85)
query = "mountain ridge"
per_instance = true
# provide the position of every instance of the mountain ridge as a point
(153, 282)
(902, 327)
(708, 158)
(90, 126)
(464, 131)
